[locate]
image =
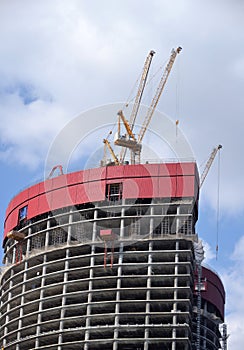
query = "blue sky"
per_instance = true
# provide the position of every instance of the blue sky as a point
(60, 58)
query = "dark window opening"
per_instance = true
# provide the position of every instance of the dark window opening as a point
(23, 214)
(114, 192)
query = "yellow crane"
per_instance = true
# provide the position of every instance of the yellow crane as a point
(209, 163)
(107, 144)
(141, 88)
(158, 93)
(129, 136)
(128, 140)
(129, 125)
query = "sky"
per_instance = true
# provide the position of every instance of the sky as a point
(59, 59)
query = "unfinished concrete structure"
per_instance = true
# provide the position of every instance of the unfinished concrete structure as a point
(104, 258)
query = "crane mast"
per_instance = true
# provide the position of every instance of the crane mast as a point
(137, 102)
(158, 93)
(129, 140)
(209, 163)
(141, 88)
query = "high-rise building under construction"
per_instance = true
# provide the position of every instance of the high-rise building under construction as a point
(106, 258)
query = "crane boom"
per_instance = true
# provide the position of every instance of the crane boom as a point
(141, 88)
(126, 124)
(107, 143)
(158, 93)
(208, 164)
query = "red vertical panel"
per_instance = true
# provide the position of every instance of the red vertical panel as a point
(167, 187)
(59, 181)
(11, 221)
(32, 207)
(44, 203)
(95, 174)
(145, 186)
(167, 169)
(60, 198)
(185, 186)
(72, 194)
(74, 178)
(136, 171)
(95, 191)
(139, 188)
(10, 207)
(81, 196)
(115, 172)
(186, 168)
(46, 186)
(152, 169)
(22, 197)
(130, 189)
(34, 191)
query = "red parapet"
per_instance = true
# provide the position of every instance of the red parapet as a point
(172, 180)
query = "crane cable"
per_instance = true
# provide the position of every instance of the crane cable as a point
(218, 207)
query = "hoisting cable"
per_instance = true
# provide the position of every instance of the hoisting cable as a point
(218, 208)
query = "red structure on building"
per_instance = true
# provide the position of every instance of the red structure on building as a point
(105, 258)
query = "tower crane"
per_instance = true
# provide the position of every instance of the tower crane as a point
(208, 164)
(158, 93)
(137, 103)
(128, 140)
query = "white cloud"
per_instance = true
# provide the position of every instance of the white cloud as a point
(208, 253)
(77, 54)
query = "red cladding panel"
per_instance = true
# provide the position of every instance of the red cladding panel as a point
(95, 191)
(130, 188)
(186, 168)
(42, 187)
(59, 181)
(73, 194)
(166, 187)
(46, 186)
(185, 186)
(60, 198)
(33, 207)
(167, 169)
(34, 190)
(140, 188)
(10, 207)
(136, 171)
(215, 292)
(94, 174)
(81, 195)
(23, 196)
(115, 172)
(74, 178)
(152, 169)
(11, 221)
(143, 181)
(44, 203)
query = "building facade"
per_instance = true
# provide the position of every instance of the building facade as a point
(105, 258)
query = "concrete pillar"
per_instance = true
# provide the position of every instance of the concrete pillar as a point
(178, 221)
(94, 228)
(47, 233)
(151, 220)
(70, 226)
(89, 298)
